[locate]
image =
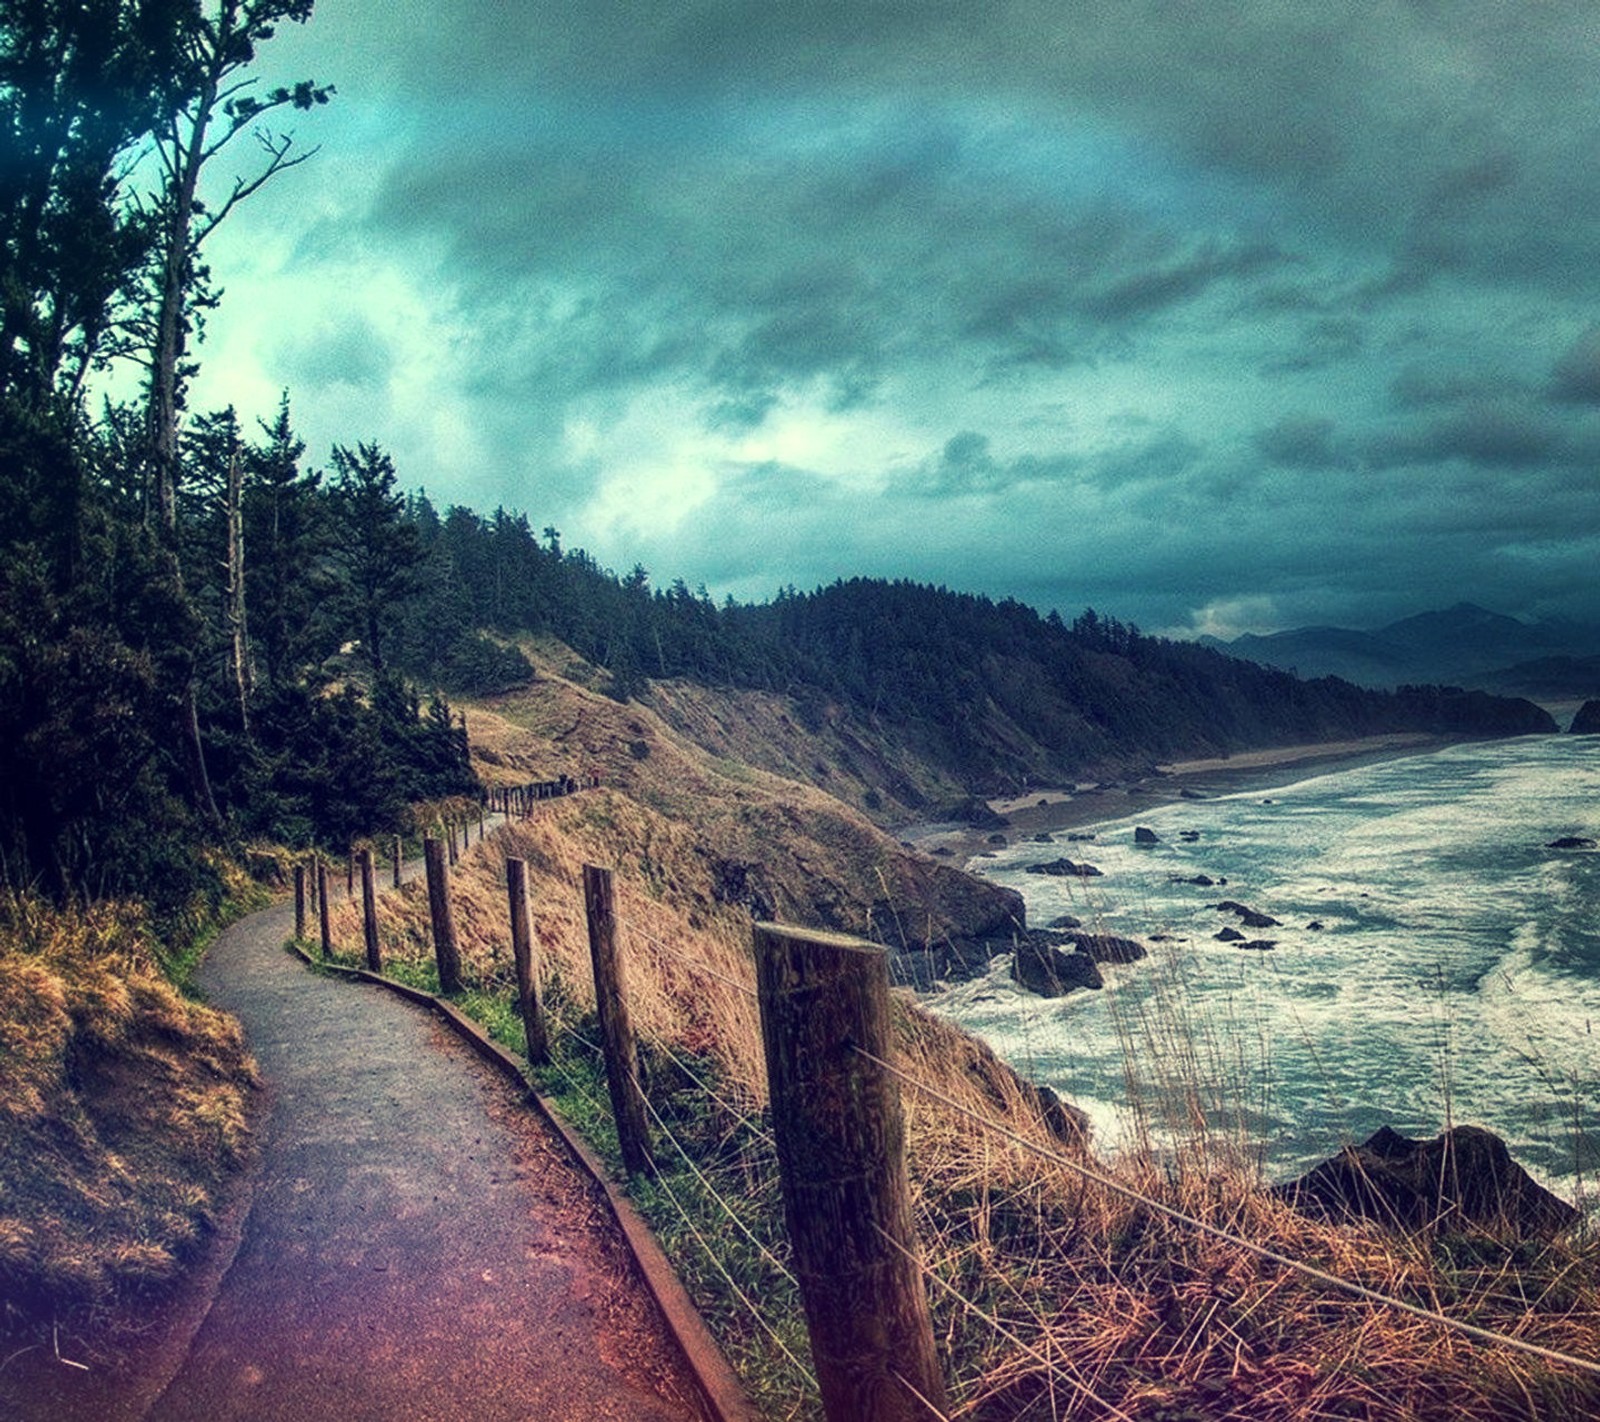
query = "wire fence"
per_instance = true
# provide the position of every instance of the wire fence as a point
(990, 1228)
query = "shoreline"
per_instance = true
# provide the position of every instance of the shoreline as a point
(1047, 811)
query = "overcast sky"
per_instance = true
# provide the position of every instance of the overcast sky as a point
(1213, 316)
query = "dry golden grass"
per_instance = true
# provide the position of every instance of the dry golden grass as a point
(1112, 1309)
(123, 1108)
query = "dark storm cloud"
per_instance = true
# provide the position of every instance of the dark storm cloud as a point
(1208, 301)
(1575, 378)
(1301, 442)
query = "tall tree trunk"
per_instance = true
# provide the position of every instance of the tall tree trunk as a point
(242, 679)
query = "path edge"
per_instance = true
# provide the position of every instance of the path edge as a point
(719, 1386)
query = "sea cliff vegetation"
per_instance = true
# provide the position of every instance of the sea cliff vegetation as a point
(208, 640)
(1109, 1308)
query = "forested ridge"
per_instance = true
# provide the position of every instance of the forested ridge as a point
(994, 691)
(206, 636)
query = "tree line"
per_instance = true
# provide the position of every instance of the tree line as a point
(204, 637)
(172, 586)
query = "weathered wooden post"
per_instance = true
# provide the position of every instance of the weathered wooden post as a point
(616, 1029)
(369, 912)
(399, 860)
(480, 824)
(322, 908)
(350, 874)
(445, 952)
(529, 996)
(825, 1012)
(450, 827)
(299, 902)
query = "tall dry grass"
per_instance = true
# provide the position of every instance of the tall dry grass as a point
(1106, 1308)
(123, 1109)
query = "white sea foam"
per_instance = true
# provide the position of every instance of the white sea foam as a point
(1456, 975)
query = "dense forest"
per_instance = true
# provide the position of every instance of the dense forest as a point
(205, 637)
(171, 589)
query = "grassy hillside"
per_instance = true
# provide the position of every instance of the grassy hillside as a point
(123, 1114)
(1109, 1308)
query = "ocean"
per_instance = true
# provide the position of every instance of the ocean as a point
(1455, 977)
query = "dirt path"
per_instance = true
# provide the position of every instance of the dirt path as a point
(416, 1248)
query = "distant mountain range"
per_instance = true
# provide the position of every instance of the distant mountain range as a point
(1464, 645)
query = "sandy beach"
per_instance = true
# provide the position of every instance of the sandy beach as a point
(1082, 806)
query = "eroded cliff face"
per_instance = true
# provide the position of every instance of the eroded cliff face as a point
(716, 833)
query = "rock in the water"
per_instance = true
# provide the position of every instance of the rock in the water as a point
(1261, 945)
(998, 840)
(1571, 841)
(1587, 721)
(1108, 948)
(1066, 920)
(1189, 836)
(1044, 837)
(1144, 835)
(1247, 916)
(1081, 836)
(1043, 968)
(1204, 881)
(1316, 925)
(1065, 869)
(1463, 1179)
(1229, 935)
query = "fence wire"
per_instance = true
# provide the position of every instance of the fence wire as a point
(748, 1123)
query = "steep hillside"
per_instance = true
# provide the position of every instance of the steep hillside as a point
(712, 831)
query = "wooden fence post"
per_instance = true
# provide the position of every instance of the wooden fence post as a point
(322, 907)
(528, 991)
(299, 902)
(399, 860)
(445, 951)
(841, 1156)
(450, 828)
(350, 875)
(369, 912)
(616, 1030)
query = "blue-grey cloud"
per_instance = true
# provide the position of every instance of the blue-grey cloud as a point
(1157, 306)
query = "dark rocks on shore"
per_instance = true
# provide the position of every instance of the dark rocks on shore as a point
(974, 811)
(1463, 1179)
(1053, 963)
(1587, 721)
(1044, 969)
(1142, 834)
(1247, 916)
(1571, 841)
(1044, 837)
(1066, 869)
(1066, 920)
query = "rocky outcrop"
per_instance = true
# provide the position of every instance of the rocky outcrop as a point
(1247, 916)
(1065, 869)
(1108, 948)
(1462, 1180)
(1571, 841)
(1143, 834)
(1587, 721)
(1046, 969)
